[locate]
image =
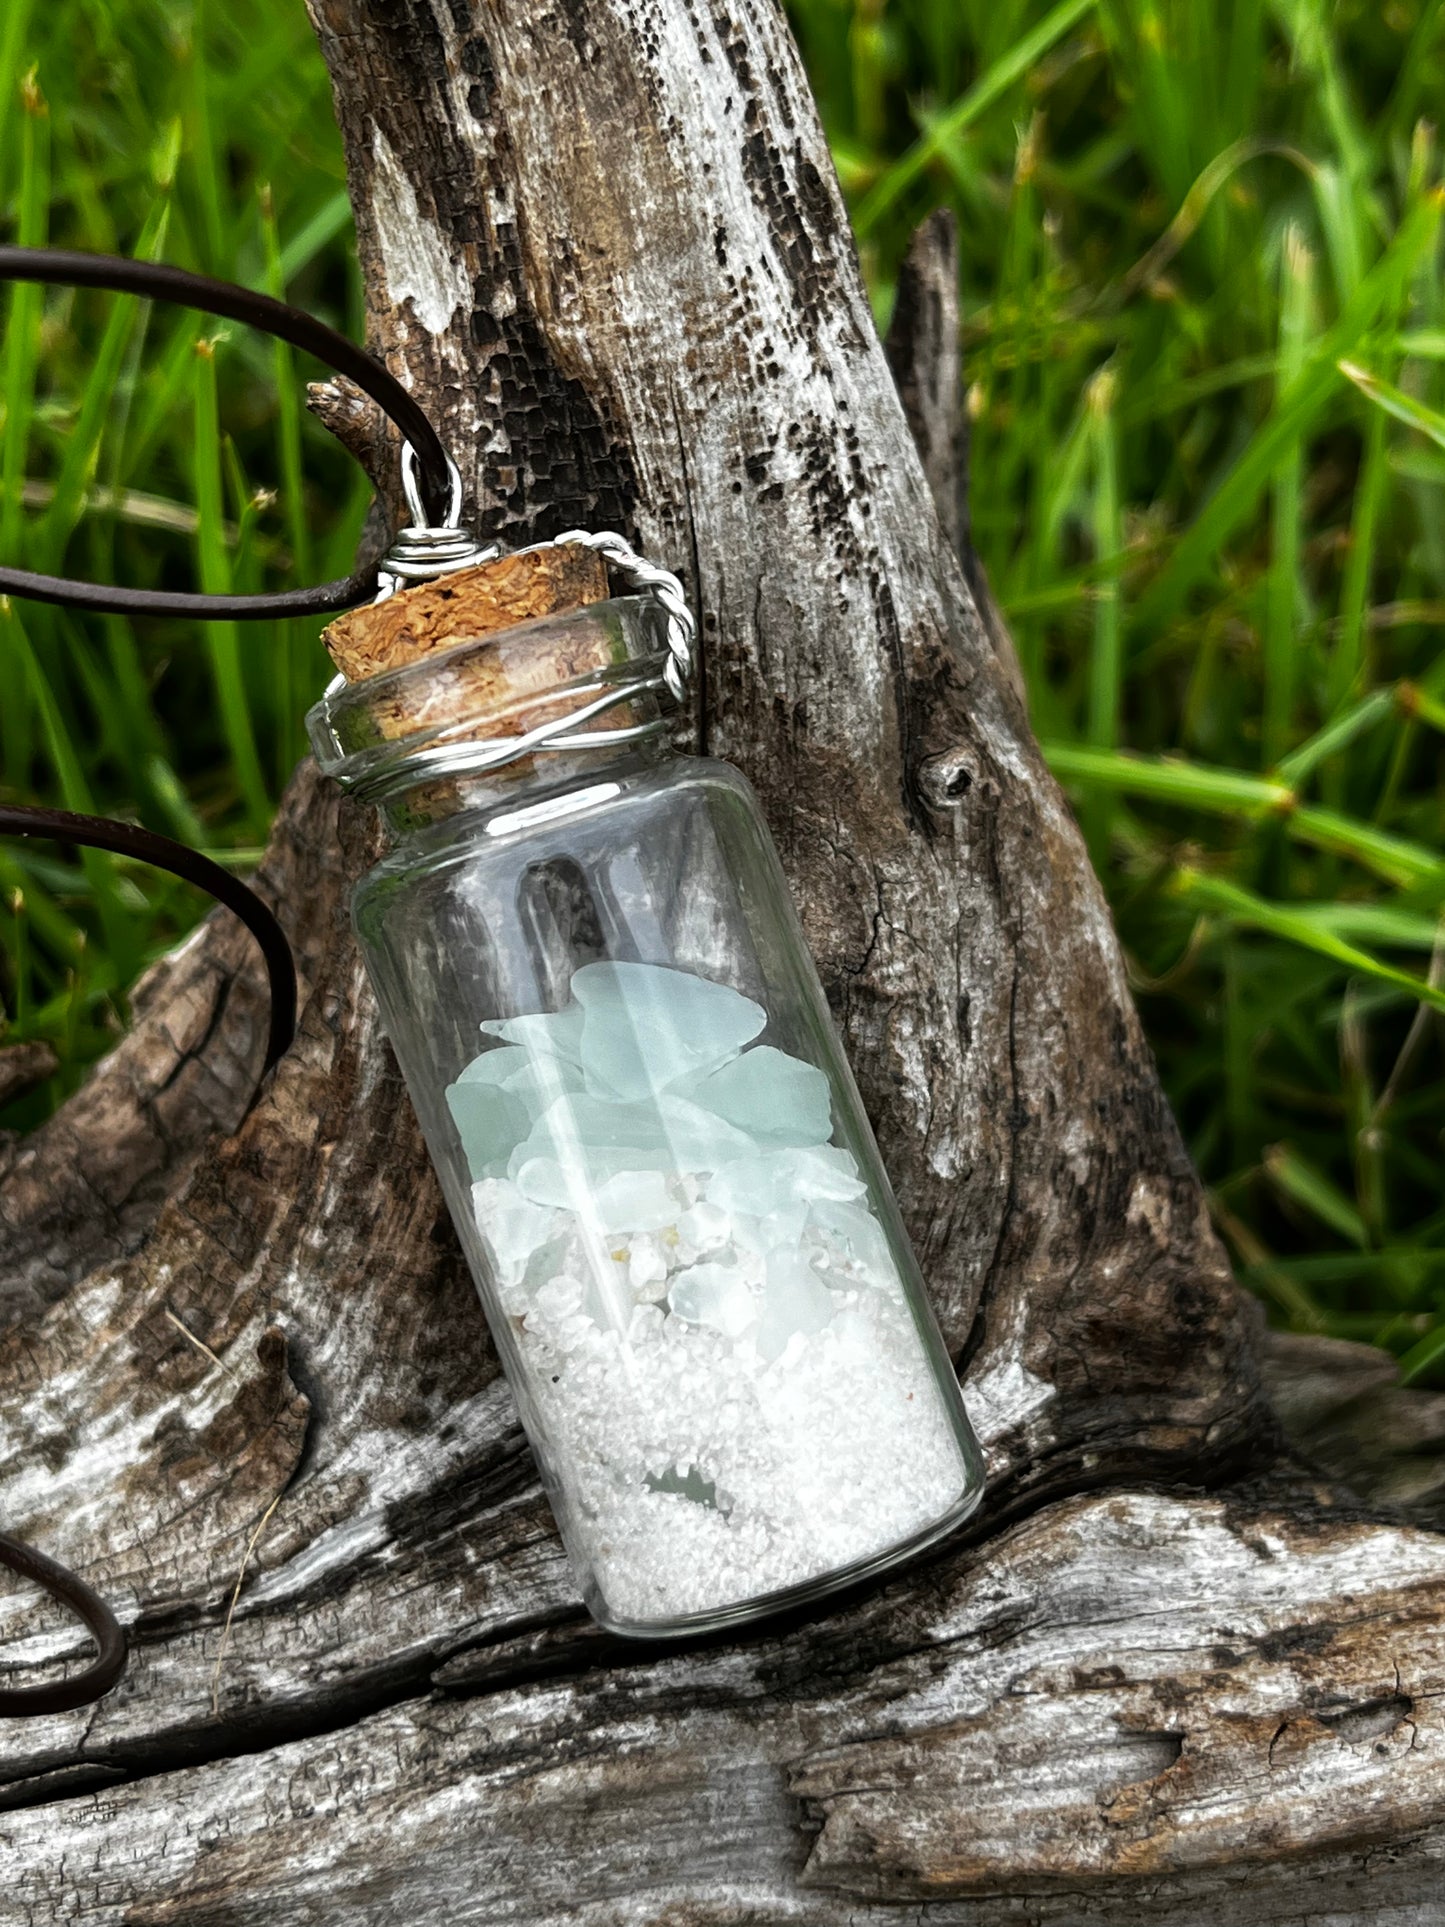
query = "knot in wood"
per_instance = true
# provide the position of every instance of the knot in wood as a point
(945, 779)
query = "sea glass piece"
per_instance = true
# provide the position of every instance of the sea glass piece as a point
(546, 1182)
(646, 1268)
(597, 1137)
(557, 1033)
(634, 1201)
(542, 1079)
(699, 1140)
(755, 1186)
(862, 1236)
(495, 1066)
(578, 1123)
(604, 1299)
(704, 1227)
(775, 1098)
(823, 1171)
(490, 1121)
(715, 1295)
(785, 1227)
(689, 1485)
(647, 1027)
(511, 1224)
(558, 1254)
(795, 1301)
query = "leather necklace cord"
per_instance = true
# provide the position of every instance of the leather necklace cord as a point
(431, 480)
(155, 281)
(80, 1689)
(128, 839)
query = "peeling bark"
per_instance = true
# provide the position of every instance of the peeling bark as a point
(241, 1359)
(922, 346)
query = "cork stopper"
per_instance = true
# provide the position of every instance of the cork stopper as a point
(463, 607)
(487, 693)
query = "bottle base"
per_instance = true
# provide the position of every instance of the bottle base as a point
(838, 1579)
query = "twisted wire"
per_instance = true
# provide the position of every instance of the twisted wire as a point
(661, 584)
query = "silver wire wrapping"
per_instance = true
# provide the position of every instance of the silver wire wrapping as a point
(423, 552)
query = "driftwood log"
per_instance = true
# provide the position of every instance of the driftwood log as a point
(1176, 1672)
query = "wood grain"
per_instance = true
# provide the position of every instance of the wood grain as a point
(1129, 1709)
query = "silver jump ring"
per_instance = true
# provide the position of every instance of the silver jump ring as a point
(411, 491)
(425, 550)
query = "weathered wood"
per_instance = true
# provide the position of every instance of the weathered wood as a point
(1350, 1419)
(606, 247)
(1130, 1709)
(923, 350)
(23, 1066)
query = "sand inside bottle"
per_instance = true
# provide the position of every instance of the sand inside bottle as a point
(734, 1389)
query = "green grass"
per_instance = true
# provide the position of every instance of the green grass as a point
(148, 445)
(1203, 295)
(1204, 288)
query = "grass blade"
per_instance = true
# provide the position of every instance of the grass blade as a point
(289, 637)
(1224, 792)
(1171, 780)
(1395, 403)
(331, 219)
(1106, 656)
(1242, 906)
(1005, 73)
(22, 354)
(1296, 1178)
(1337, 736)
(1283, 597)
(1423, 1360)
(223, 638)
(76, 794)
(1298, 409)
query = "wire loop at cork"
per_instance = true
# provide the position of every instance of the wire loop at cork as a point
(412, 493)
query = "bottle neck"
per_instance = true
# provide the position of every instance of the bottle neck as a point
(530, 791)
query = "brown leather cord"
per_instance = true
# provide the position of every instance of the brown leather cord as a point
(157, 282)
(93, 832)
(128, 839)
(327, 598)
(109, 1663)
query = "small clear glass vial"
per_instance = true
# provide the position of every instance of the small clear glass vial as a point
(590, 967)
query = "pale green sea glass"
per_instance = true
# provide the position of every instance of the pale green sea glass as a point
(639, 1145)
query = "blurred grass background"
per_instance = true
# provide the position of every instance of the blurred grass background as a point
(1204, 293)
